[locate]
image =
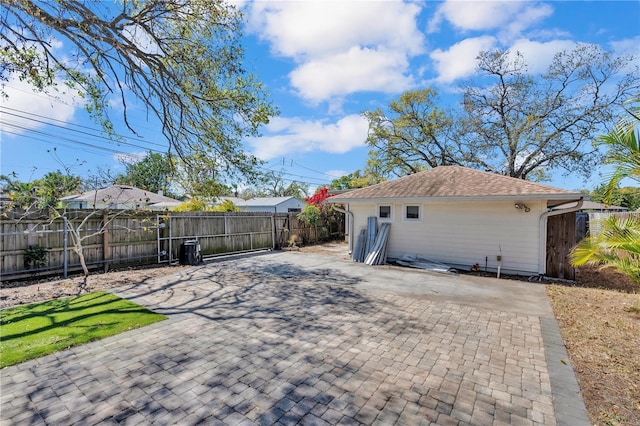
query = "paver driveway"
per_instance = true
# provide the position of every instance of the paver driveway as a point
(287, 338)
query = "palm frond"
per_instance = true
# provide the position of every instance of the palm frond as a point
(617, 246)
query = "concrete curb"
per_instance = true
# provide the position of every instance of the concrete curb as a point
(567, 399)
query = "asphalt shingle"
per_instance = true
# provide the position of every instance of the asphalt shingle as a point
(455, 182)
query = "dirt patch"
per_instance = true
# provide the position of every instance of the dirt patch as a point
(337, 248)
(606, 278)
(23, 292)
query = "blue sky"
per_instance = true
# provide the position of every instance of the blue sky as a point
(323, 64)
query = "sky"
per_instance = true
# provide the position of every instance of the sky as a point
(323, 64)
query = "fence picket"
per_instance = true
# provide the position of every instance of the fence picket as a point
(133, 238)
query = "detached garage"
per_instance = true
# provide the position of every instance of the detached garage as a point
(463, 217)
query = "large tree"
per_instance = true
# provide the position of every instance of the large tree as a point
(412, 135)
(43, 193)
(512, 121)
(153, 173)
(371, 175)
(274, 184)
(521, 124)
(182, 59)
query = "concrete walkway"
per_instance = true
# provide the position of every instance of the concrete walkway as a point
(298, 338)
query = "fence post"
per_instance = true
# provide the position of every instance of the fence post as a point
(273, 231)
(105, 241)
(65, 255)
(170, 242)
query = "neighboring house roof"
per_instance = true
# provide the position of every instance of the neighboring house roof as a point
(166, 204)
(268, 201)
(592, 206)
(4, 198)
(456, 182)
(118, 195)
(258, 201)
(237, 201)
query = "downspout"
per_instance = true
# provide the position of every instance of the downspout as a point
(542, 250)
(338, 209)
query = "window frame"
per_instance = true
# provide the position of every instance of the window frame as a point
(405, 216)
(384, 219)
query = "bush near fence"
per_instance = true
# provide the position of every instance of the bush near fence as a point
(133, 238)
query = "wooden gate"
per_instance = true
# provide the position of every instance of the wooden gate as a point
(217, 233)
(561, 238)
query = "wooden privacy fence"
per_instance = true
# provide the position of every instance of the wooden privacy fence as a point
(126, 238)
(216, 233)
(594, 222)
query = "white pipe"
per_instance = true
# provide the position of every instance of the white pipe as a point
(542, 250)
(350, 240)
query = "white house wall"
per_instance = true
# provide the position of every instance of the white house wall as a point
(464, 233)
(282, 207)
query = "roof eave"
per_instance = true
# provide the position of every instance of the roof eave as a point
(567, 196)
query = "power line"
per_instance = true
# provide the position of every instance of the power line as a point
(92, 148)
(68, 123)
(315, 171)
(57, 142)
(99, 137)
(58, 138)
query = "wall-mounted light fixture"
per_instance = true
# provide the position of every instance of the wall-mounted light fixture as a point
(520, 206)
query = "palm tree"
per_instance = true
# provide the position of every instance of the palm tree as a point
(618, 244)
(623, 148)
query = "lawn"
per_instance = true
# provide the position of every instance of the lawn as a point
(601, 330)
(38, 329)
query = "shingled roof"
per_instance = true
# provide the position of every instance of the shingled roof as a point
(456, 182)
(119, 194)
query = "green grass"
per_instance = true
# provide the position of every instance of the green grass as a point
(31, 331)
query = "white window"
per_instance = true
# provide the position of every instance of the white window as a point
(412, 212)
(384, 212)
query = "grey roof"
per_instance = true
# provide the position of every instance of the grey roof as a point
(455, 182)
(590, 205)
(166, 204)
(268, 201)
(119, 194)
(237, 201)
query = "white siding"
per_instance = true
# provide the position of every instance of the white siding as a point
(465, 232)
(283, 207)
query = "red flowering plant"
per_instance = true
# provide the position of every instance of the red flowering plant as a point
(318, 211)
(319, 197)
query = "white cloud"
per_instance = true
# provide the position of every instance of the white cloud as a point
(336, 173)
(315, 28)
(353, 71)
(141, 39)
(294, 135)
(629, 46)
(130, 157)
(341, 47)
(538, 55)
(460, 60)
(510, 18)
(23, 100)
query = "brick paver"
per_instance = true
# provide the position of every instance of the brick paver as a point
(263, 341)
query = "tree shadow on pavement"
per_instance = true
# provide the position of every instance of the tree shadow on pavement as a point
(280, 342)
